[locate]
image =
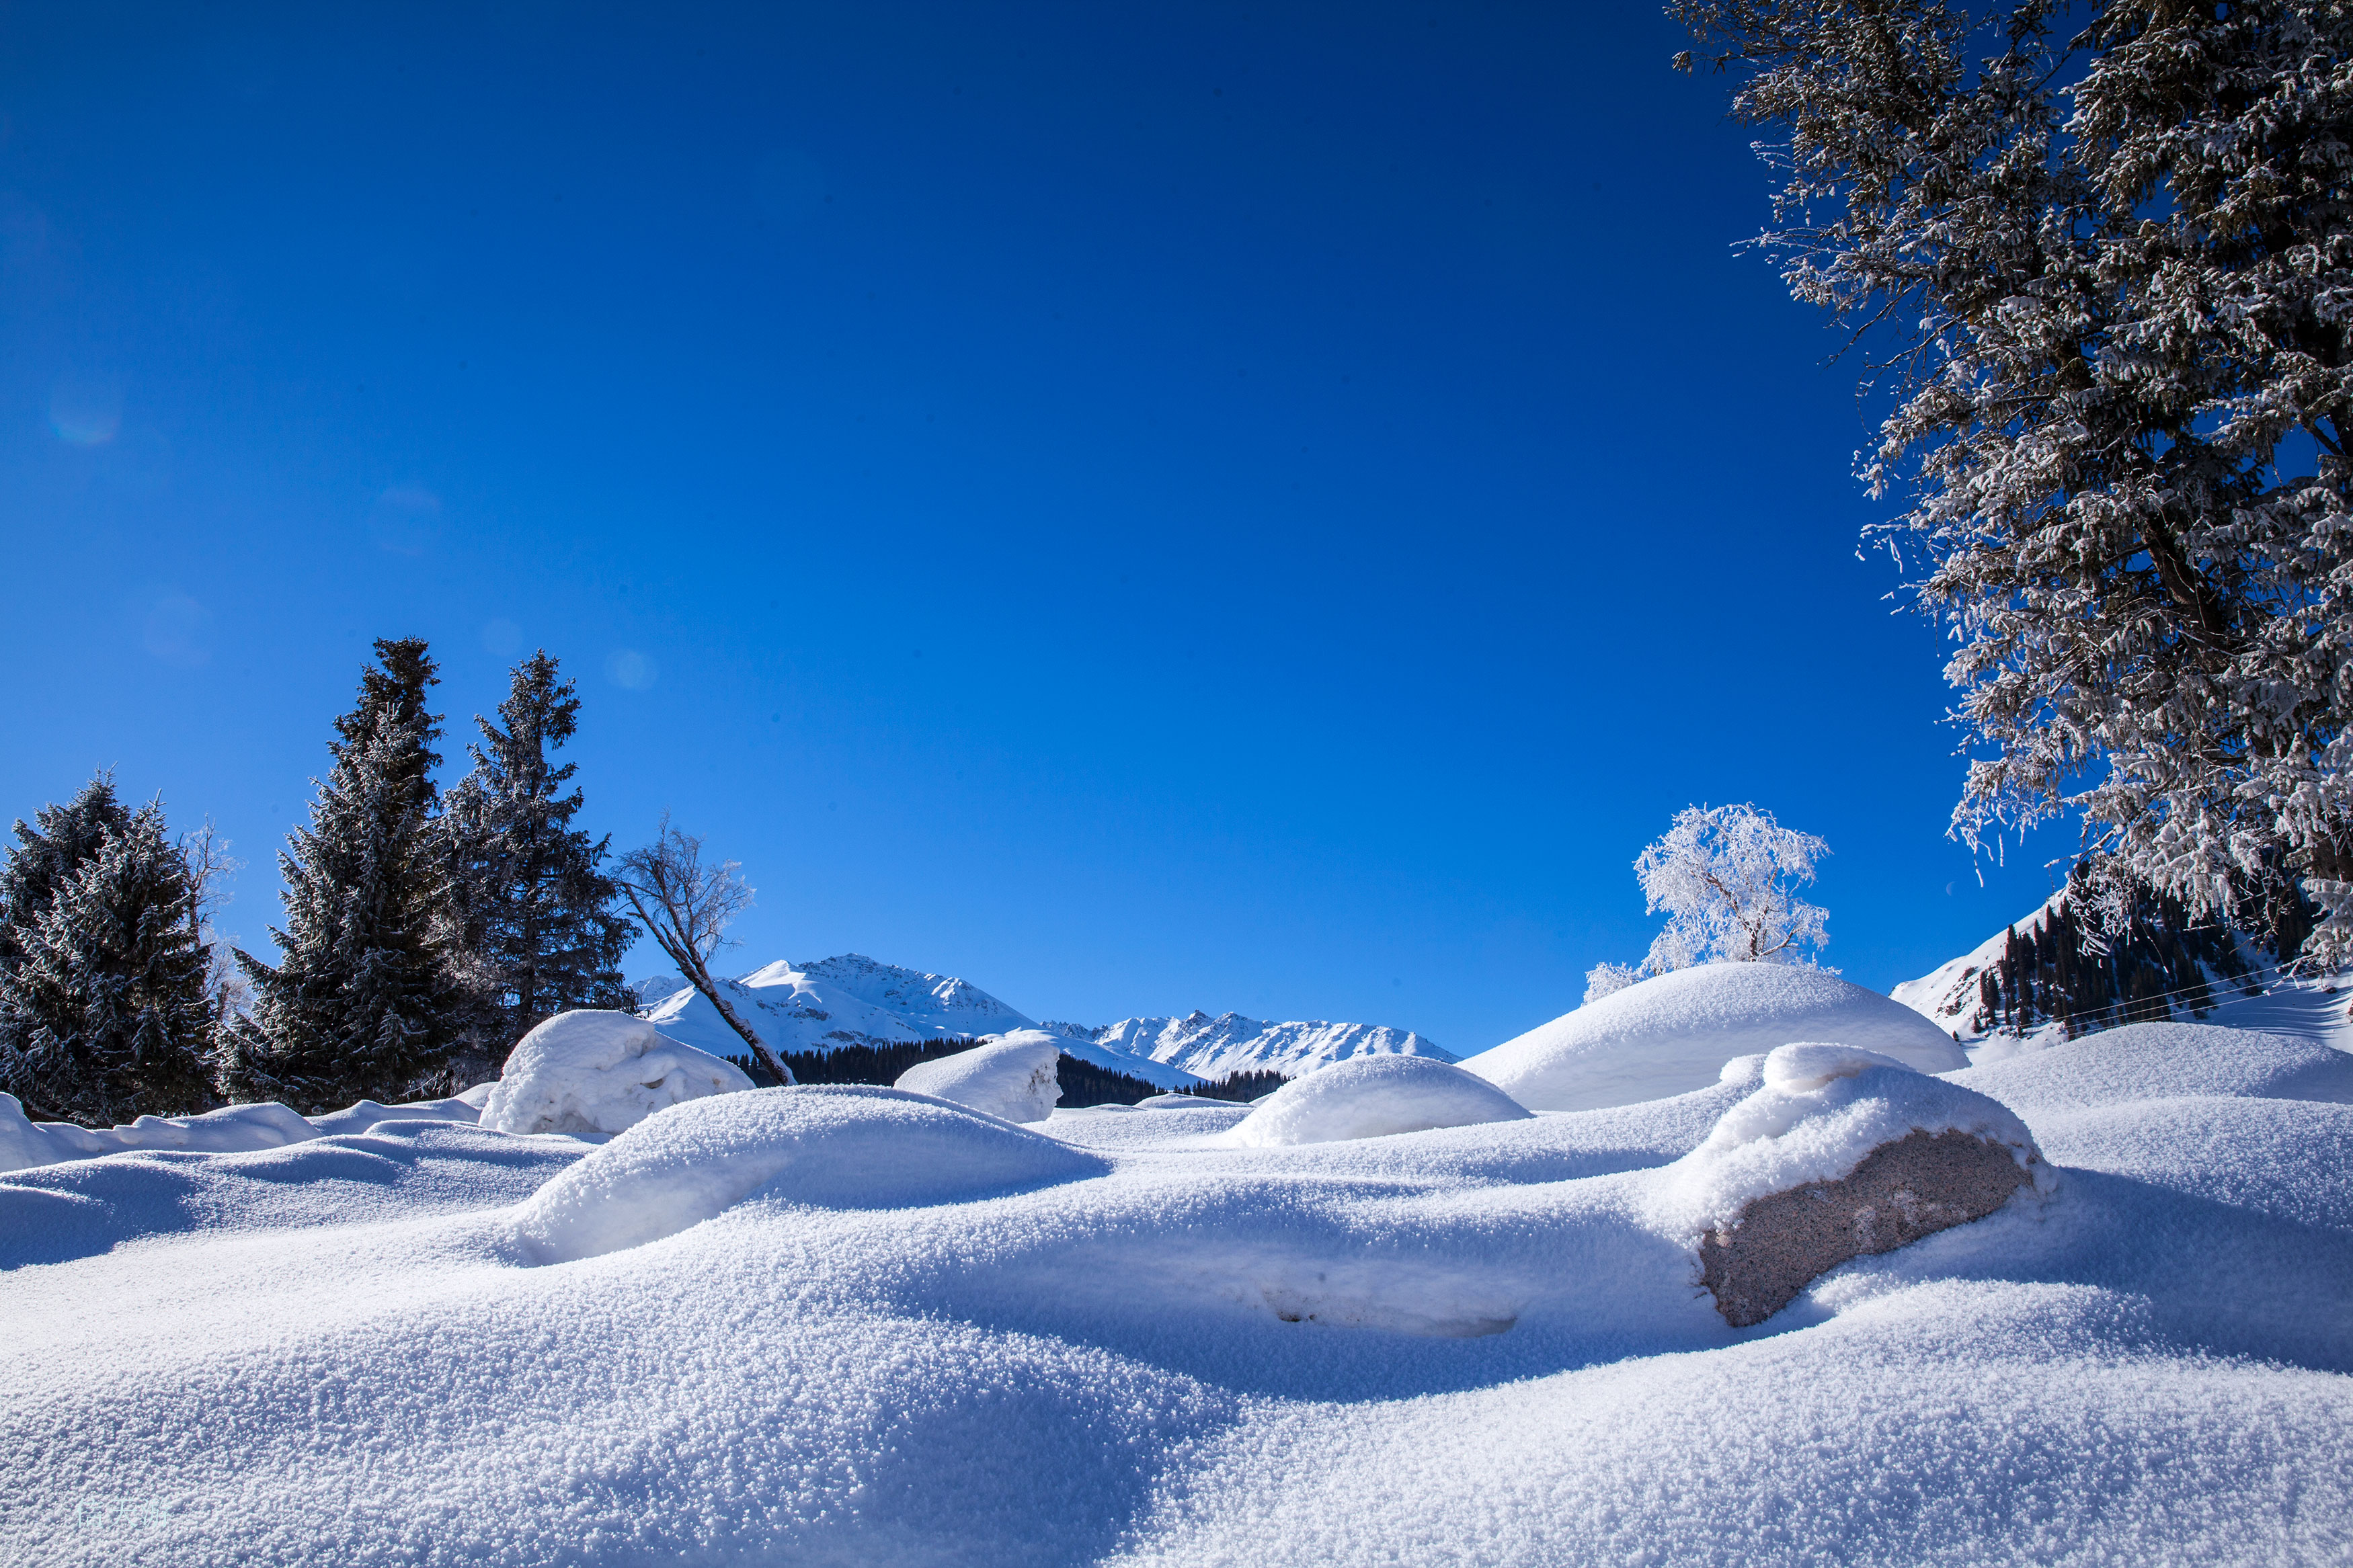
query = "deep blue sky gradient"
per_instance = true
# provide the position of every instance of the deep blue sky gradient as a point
(1143, 507)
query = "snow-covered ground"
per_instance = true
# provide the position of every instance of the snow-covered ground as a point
(854, 1000)
(856, 1326)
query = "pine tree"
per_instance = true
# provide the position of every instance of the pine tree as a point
(2100, 255)
(366, 999)
(540, 934)
(103, 1011)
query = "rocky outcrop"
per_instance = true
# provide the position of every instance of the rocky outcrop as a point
(1918, 1184)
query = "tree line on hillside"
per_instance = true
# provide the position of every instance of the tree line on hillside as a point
(424, 931)
(1083, 1082)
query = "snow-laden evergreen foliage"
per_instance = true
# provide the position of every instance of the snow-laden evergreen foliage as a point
(103, 1011)
(540, 933)
(366, 998)
(2107, 255)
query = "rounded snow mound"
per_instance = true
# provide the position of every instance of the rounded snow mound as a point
(591, 1072)
(843, 1146)
(2164, 1061)
(1673, 1034)
(1373, 1097)
(1821, 1111)
(1014, 1078)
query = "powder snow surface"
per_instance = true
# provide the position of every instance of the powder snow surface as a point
(233, 1128)
(592, 1071)
(840, 1326)
(1673, 1033)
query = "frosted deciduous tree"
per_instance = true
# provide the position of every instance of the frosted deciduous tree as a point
(1727, 879)
(539, 929)
(103, 1011)
(686, 906)
(2102, 258)
(367, 997)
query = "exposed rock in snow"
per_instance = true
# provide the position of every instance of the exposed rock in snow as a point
(591, 1072)
(1840, 1154)
(1229, 1043)
(1673, 1034)
(1013, 1077)
(849, 1146)
(1374, 1097)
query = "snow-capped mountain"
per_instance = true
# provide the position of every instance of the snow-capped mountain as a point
(854, 1000)
(1229, 1043)
(1949, 995)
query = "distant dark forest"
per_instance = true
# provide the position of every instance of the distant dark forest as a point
(1083, 1083)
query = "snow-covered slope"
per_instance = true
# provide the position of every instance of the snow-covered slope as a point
(1948, 995)
(1229, 1043)
(842, 1325)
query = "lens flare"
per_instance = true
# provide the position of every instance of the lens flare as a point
(630, 668)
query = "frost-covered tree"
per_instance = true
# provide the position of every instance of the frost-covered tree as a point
(2102, 257)
(1604, 979)
(1727, 881)
(537, 909)
(103, 1011)
(366, 997)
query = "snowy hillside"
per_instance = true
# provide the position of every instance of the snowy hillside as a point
(854, 1000)
(2057, 972)
(1230, 1043)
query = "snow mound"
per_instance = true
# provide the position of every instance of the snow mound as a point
(1013, 1077)
(591, 1072)
(1821, 1109)
(2163, 1061)
(1373, 1097)
(1673, 1033)
(839, 1146)
(231, 1130)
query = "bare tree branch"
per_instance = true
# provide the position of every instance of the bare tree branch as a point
(688, 906)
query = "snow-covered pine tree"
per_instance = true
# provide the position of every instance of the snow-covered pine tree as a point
(48, 853)
(366, 999)
(2105, 268)
(103, 1011)
(540, 930)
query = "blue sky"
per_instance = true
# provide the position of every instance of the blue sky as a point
(1145, 507)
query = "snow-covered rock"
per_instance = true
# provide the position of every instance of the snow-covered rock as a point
(1839, 1154)
(591, 1072)
(1673, 1034)
(1213, 1048)
(1013, 1077)
(1374, 1097)
(849, 1146)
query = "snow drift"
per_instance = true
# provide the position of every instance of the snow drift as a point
(1673, 1033)
(1014, 1078)
(827, 1145)
(1374, 1097)
(231, 1130)
(590, 1071)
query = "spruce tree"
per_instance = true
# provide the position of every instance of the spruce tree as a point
(541, 934)
(365, 1000)
(103, 1011)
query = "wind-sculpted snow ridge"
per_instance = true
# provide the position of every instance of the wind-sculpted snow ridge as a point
(232, 1129)
(1215, 1047)
(848, 1325)
(1674, 1032)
